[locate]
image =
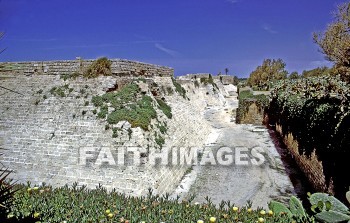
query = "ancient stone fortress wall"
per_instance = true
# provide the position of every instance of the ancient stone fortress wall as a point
(43, 134)
(119, 67)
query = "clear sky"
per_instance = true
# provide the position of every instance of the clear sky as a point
(192, 36)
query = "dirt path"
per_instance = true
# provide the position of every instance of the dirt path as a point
(236, 183)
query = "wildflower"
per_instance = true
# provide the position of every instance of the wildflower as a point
(249, 210)
(212, 219)
(142, 222)
(10, 216)
(262, 212)
(36, 215)
(270, 212)
(261, 220)
(29, 189)
(108, 211)
(110, 215)
(200, 221)
(235, 209)
(35, 188)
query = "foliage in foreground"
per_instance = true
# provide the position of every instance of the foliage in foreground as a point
(79, 204)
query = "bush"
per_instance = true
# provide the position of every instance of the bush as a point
(166, 109)
(316, 111)
(101, 66)
(179, 89)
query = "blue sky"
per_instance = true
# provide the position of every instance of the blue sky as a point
(192, 36)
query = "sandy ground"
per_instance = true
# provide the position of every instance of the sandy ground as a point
(237, 183)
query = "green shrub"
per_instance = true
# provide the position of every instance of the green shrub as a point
(316, 111)
(179, 89)
(101, 66)
(166, 109)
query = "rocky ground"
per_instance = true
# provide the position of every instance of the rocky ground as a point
(237, 183)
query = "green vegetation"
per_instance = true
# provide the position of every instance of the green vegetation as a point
(159, 140)
(73, 75)
(6, 190)
(166, 109)
(101, 66)
(129, 105)
(179, 89)
(317, 72)
(207, 81)
(267, 74)
(61, 91)
(246, 98)
(79, 204)
(162, 128)
(317, 112)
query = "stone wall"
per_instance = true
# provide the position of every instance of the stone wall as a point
(253, 115)
(119, 67)
(311, 166)
(43, 134)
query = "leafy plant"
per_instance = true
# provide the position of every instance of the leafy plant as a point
(80, 204)
(7, 190)
(328, 209)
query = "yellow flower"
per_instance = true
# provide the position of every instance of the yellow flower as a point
(29, 189)
(212, 219)
(110, 215)
(142, 222)
(35, 188)
(108, 211)
(270, 212)
(261, 220)
(200, 221)
(249, 210)
(36, 215)
(235, 209)
(262, 212)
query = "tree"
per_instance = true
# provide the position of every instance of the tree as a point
(335, 41)
(270, 71)
(319, 71)
(226, 70)
(294, 75)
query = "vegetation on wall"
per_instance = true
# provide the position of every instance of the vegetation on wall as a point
(101, 66)
(246, 98)
(128, 104)
(208, 80)
(317, 112)
(179, 89)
